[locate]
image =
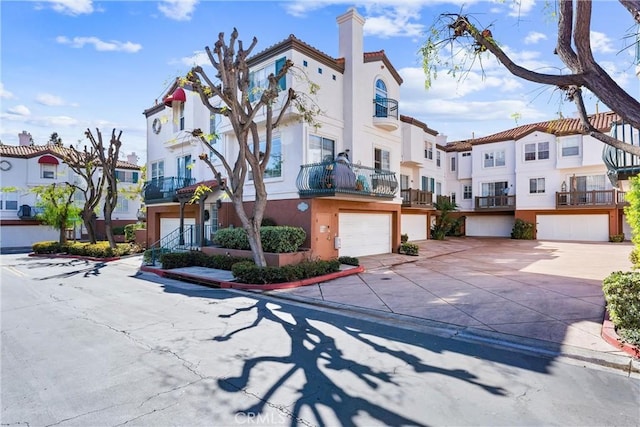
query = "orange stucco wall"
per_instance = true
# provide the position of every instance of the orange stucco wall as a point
(615, 216)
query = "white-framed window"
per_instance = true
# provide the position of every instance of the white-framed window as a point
(157, 170)
(467, 154)
(382, 107)
(571, 146)
(536, 151)
(321, 149)
(438, 188)
(127, 176)
(274, 166)
(48, 171)
(122, 206)
(404, 182)
(467, 192)
(259, 79)
(183, 167)
(453, 164)
(178, 116)
(498, 188)
(493, 159)
(9, 201)
(428, 184)
(438, 158)
(428, 150)
(381, 159)
(536, 186)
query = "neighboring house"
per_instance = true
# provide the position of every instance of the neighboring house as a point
(546, 173)
(358, 95)
(26, 166)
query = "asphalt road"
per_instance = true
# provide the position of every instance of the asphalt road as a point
(93, 344)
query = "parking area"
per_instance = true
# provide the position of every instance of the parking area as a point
(541, 290)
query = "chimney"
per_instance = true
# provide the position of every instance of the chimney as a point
(350, 37)
(25, 138)
(133, 158)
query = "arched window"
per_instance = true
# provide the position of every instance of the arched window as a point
(381, 99)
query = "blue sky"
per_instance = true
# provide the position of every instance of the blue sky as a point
(72, 64)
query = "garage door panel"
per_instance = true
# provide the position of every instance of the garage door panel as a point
(364, 234)
(489, 226)
(169, 225)
(594, 228)
(415, 226)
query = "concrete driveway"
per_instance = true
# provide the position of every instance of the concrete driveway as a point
(527, 290)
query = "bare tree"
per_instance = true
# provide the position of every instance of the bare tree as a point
(85, 165)
(573, 48)
(241, 103)
(108, 160)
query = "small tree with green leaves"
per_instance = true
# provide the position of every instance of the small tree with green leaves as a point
(445, 223)
(632, 213)
(58, 210)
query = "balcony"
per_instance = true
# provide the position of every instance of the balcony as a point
(416, 198)
(27, 212)
(162, 190)
(621, 198)
(587, 199)
(495, 203)
(385, 113)
(328, 179)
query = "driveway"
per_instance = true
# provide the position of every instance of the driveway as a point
(527, 290)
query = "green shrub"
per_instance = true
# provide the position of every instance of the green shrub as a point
(268, 222)
(634, 257)
(198, 259)
(622, 293)
(98, 250)
(276, 239)
(408, 249)
(130, 231)
(404, 238)
(349, 260)
(118, 230)
(522, 230)
(50, 247)
(248, 272)
(616, 238)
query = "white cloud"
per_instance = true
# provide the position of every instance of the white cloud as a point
(199, 57)
(5, 94)
(19, 110)
(49, 100)
(534, 37)
(394, 22)
(72, 7)
(178, 10)
(99, 45)
(601, 43)
(520, 8)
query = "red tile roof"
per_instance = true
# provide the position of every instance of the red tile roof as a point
(212, 183)
(558, 127)
(416, 122)
(59, 151)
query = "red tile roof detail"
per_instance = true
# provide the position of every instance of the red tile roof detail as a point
(212, 183)
(381, 56)
(59, 151)
(418, 123)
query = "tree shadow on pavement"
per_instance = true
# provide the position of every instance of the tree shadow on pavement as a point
(318, 356)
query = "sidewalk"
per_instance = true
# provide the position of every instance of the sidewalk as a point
(536, 293)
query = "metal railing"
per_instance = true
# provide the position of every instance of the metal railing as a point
(416, 198)
(496, 202)
(385, 107)
(331, 178)
(164, 189)
(190, 238)
(594, 198)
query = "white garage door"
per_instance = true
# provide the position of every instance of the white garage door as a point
(364, 234)
(489, 226)
(593, 228)
(169, 225)
(415, 226)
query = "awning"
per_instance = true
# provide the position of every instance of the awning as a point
(178, 95)
(48, 160)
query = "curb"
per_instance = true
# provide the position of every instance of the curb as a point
(610, 336)
(251, 286)
(88, 258)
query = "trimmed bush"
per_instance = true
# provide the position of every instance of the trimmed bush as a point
(130, 231)
(248, 272)
(404, 238)
(408, 249)
(349, 260)
(622, 293)
(118, 230)
(522, 230)
(198, 259)
(275, 239)
(98, 250)
(49, 247)
(616, 238)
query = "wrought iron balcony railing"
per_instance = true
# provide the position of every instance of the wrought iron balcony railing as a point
(164, 189)
(416, 198)
(586, 199)
(331, 178)
(385, 107)
(29, 212)
(496, 203)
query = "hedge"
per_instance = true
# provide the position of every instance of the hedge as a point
(275, 239)
(622, 293)
(198, 259)
(97, 250)
(248, 272)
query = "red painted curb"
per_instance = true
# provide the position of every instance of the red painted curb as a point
(610, 336)
(89, 258)
(252, 286)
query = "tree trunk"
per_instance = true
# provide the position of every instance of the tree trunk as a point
(87, 219)
(108, 229)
